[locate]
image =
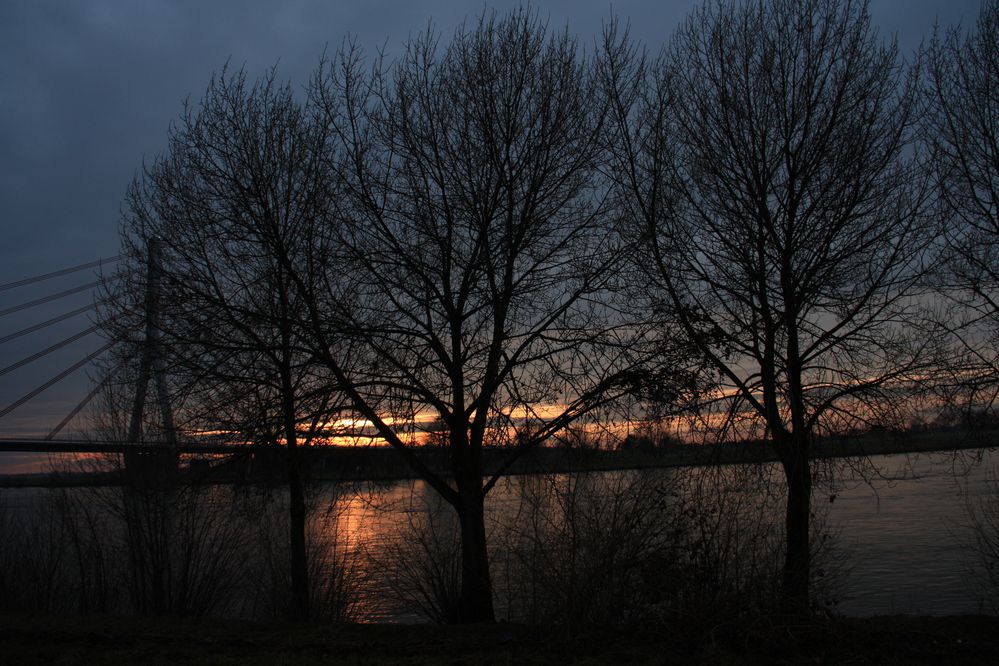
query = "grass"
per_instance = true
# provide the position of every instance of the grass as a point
(66, 640)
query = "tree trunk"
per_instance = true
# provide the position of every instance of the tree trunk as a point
(475, 603)
(296, 504)
(797, 559)
(299, 561)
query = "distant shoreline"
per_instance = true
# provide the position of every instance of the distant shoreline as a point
(332, 464)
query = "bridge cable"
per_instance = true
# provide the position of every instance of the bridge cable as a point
(46, 323)
(64, 271)
(76, 410)
(48, 350)
(90, 396)
(58, 378)
(46, 299)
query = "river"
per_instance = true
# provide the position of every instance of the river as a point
(907, 534)
(899, 526)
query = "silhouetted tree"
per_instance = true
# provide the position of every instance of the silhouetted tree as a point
(235, 201)
(961, 128)
(482, 252)
(763, 159)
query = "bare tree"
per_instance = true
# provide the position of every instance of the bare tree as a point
(234, 203)
(483, 248)
(961, 127)
(763, 158)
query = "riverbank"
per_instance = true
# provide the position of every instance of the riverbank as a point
(44, 639)
(382, 463)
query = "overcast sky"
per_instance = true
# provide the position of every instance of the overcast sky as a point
(88, 89)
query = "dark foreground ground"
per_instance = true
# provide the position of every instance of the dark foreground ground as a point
(53, 641)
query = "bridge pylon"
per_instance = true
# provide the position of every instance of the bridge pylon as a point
(158, 467)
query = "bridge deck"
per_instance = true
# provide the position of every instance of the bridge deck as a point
(84, 446)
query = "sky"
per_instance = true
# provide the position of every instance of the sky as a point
(88, 89)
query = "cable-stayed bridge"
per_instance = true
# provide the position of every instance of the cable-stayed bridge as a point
(55, 359)
(51, 345)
